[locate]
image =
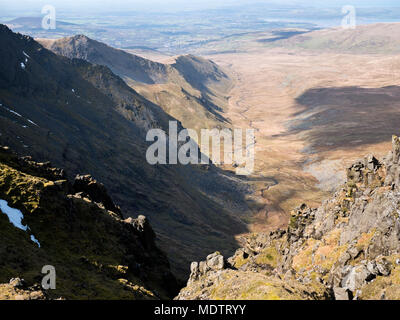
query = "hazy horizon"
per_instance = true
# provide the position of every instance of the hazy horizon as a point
(11, 7)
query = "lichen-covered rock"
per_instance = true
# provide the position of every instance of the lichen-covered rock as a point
(95, 253)
(348, 248)
(17, 289)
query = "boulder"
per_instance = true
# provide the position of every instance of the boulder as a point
(215, 261)
(341, 293)
(355, 277)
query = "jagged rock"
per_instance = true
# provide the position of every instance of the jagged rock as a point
(372, 163)
(383, 266)
(95, 191)
(241, 254)
(78, 234)
(290, 274)
(17, 289)
(145, 231)
(299, 224)
(341, 293)
(395, 149)
(203, 267)
(355, 277)
(194, 267)
(17, 283)
(215, 261)
(350, 245)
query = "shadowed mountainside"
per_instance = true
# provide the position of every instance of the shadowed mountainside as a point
(85, 119)
(119, 61)
(191, 89)
(80, 232)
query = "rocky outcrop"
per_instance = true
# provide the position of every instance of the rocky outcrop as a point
(214, 263)
(17, 289)
(348, 248)
(88, 187)
(80, 232)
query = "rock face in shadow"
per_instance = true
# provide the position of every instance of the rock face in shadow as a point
(349, 248)
(88, 187)
(96, 254)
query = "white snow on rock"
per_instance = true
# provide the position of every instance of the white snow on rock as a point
(22, 66)
(15, 216)
(30, 121)
(17, 114)
(35, 240)
(12, 111)
(25, 54)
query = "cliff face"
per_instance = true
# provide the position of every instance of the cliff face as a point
(77, 228)
(349, 248)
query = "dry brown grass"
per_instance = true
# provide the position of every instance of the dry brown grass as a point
(268, 83)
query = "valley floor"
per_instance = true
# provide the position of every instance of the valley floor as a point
(308, 129)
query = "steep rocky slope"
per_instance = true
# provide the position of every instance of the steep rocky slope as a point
(77, 228)
(191, 89)
(349, 248)
(119, 61)
(84, 118)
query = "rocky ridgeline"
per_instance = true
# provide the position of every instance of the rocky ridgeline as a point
(97, 252)
(348, 248)
(17, 289)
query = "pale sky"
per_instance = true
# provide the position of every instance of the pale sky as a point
(173, 5)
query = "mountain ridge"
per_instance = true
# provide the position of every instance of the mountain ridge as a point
(85, 119)
(191, 89)
(346, 249)
(82, 233)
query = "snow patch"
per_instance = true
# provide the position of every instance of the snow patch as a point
(35, 240)
(23, 66)
(15, 217)
(12, 111)
(30, 121)
(25, 54)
